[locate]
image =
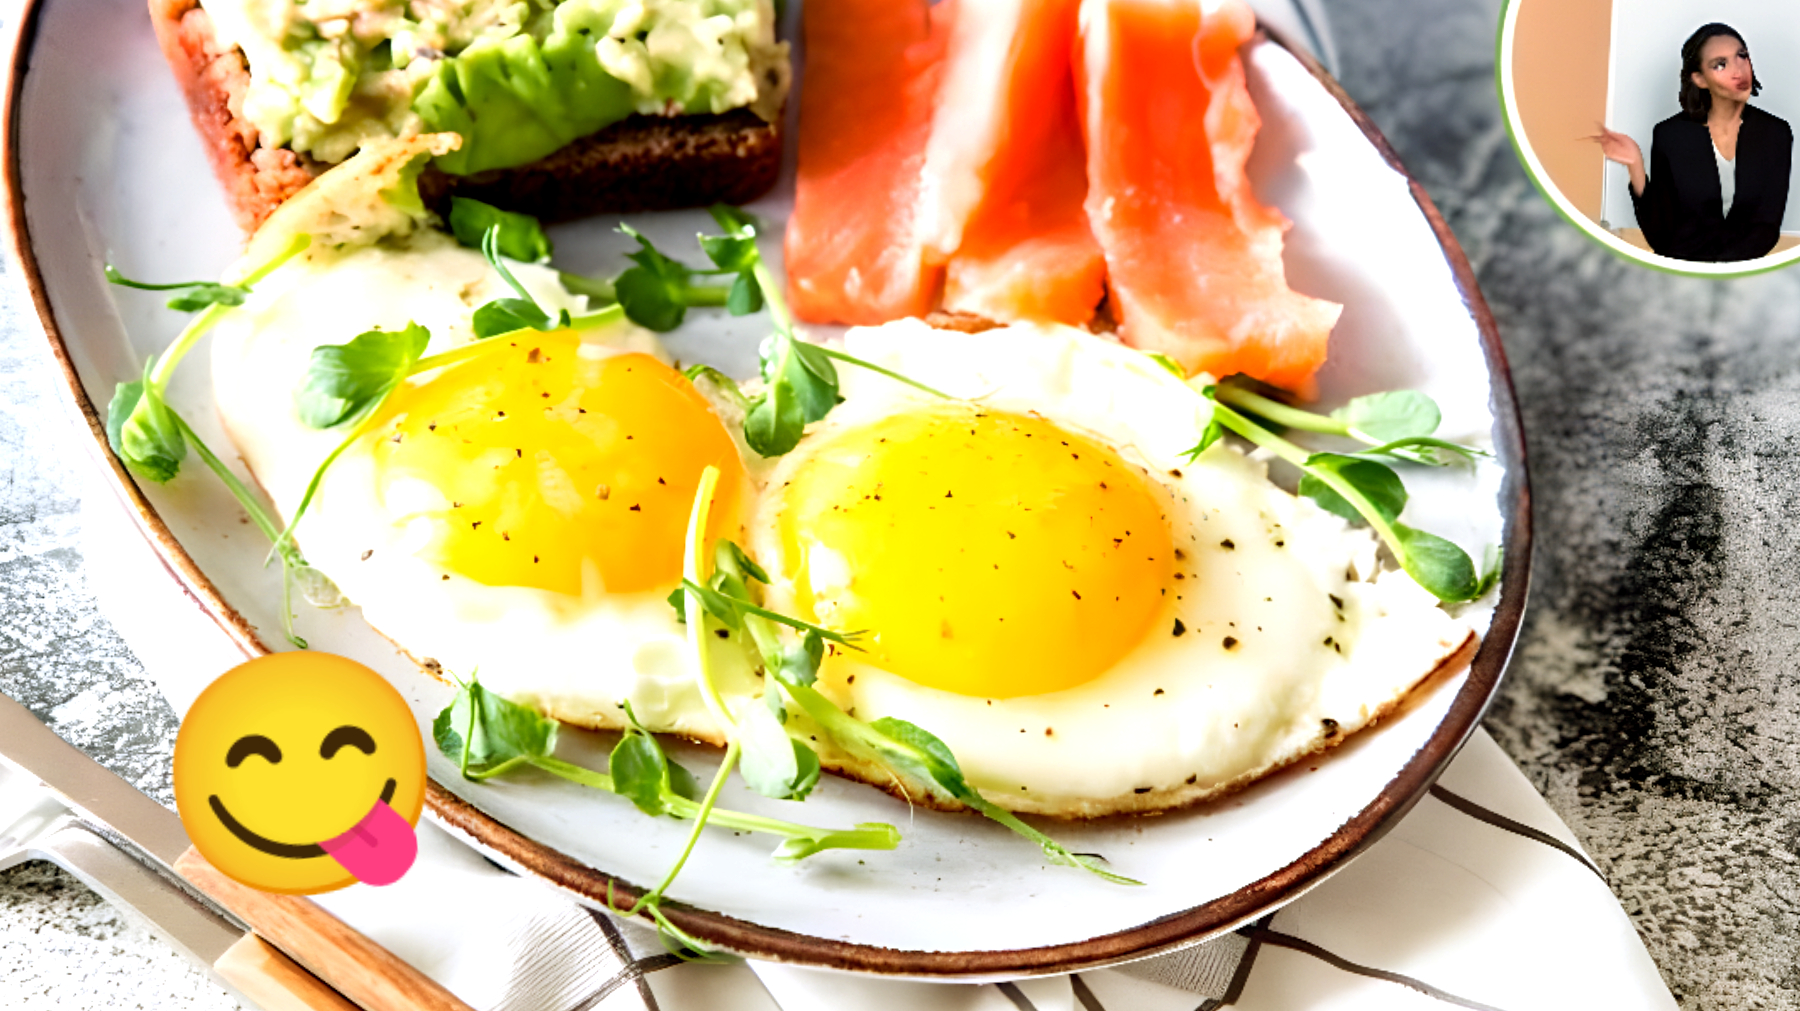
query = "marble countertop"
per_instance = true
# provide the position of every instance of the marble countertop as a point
(1652, 699)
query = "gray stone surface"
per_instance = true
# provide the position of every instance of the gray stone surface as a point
(1653, 698)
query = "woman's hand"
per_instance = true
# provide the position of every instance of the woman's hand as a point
(1622, 149)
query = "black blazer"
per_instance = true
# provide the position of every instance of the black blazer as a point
(1680, 209)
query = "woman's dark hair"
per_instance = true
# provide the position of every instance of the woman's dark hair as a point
(1695, 100)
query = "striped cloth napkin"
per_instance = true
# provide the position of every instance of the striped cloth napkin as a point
(1480, 898)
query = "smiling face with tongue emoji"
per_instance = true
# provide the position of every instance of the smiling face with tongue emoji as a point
(301, 773)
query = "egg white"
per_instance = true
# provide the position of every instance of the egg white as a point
(1181, 716)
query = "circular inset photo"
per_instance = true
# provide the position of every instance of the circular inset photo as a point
(1661, 127)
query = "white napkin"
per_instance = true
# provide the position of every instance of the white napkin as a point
(1480, 898)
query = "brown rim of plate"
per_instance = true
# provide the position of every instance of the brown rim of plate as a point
(1155, 937)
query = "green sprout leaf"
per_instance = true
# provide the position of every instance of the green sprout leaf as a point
(801, 387)
(1436, 564)
(732, 560)
(1426, 450)
(598, 290)
(774, 764)
(746, 296)
(519, 236)
(640, 770)
(504, 315)
(1212, 433)
(721, 382)
(869, 835)
(1381, 488)
(1387, 417)
(346, 381)
(189, 296)
(143, 431)
(488, 734)
(734, 253)
(655, 292)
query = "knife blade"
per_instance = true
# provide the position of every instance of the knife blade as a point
(58, 804)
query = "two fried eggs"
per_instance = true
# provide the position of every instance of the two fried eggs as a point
(1092, 622)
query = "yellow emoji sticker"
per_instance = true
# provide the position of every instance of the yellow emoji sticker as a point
(300, 773)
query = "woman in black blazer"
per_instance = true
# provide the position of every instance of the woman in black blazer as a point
(1718, 180)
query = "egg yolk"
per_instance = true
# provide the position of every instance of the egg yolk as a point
(547, 465)
(987, 554)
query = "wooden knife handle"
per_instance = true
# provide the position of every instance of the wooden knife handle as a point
(273, 981)
(356, 967)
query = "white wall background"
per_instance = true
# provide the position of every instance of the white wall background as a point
(1646, 58)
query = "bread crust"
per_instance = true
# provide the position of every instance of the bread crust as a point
(642, 163)
(213, 79)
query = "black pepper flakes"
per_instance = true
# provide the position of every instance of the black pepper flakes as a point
(723, 633)
(1141, 790)
(1180, 629)
(1329, 726)
(1159, 691)
(366, 554)
(1227, 545)
(637, 509)
(1230, 642)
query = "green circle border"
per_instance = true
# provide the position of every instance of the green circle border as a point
(1550, 193)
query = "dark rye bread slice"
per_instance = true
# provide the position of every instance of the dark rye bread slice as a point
(642, 163)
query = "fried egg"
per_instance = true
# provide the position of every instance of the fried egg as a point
(1091, 622)
(520, 514)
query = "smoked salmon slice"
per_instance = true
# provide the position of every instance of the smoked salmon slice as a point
(854, 252)
(1005, 173)
(1193, 261)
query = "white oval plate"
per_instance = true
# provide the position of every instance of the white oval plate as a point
(101, 164)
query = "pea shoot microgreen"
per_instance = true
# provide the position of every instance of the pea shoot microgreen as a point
(800, 381)
(519, 236)
(189, 296)
(658, 291)
(1360, 487)
(488, 735)
(152, 440)
(504, 315)
(1397, 424)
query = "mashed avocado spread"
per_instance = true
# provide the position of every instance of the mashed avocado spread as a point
(516, 78)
